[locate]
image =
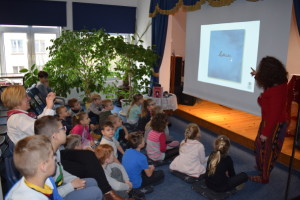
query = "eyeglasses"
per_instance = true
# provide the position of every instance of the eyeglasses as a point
(64, 128)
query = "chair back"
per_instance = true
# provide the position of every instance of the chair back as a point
(37, 104)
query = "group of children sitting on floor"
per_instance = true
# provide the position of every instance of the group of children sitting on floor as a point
(128, 152)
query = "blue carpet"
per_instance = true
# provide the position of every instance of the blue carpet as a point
(176, 189)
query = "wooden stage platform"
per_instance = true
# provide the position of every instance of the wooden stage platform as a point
(239, 126)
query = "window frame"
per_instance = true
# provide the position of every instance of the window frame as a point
(30, 31)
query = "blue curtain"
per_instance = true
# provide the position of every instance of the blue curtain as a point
(113, 19)
(33, 12)
(159, 33)
(297, 13)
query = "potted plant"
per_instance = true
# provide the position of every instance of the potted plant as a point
(81, 60)
(30, 76)
(134, 66)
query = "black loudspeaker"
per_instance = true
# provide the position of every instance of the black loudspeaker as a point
(178, 71)
(184, 99)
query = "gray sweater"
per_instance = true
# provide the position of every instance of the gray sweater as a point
(66, 186)
(114, 183)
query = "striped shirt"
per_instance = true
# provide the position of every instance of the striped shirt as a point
(156, 145)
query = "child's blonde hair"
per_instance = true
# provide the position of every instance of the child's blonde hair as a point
(221, 146)
(135, 99)
(30, 152)
(103, 152)
(145, 110)
(105, 102)
(73, 140)
(95, 96)
(78, 117)
(192, 132)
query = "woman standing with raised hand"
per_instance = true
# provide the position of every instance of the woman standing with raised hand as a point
(272, 77)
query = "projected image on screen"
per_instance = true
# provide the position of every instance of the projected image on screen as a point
(227, 53)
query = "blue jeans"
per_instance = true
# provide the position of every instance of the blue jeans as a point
(90, 192)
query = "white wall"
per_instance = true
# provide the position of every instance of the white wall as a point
(175, 44)
(292, 64)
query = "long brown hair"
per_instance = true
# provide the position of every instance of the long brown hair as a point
(135, 99)
(145, 110)
(221, 146)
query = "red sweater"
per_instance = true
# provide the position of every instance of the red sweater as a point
(273, 103)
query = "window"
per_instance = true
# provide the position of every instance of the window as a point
(16, 46)
(23, 46)
(16, 69)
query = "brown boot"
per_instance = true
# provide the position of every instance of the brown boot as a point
(111, 195)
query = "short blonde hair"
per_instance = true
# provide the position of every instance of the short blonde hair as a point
(30, 152)
(12, 96)
(73, 140)
(95, 96)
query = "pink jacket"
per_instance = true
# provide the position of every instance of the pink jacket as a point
(83, 131)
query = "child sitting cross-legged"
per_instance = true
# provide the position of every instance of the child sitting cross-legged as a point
(134, 111)
(65, 118)
(108, 106)
(81, 123)
(35, 160)
(95, 108)
(157, 148)
(69, 186)
(121, 133)
(115, 173)
(75, 106)
(220, 174)
(108, 138)
(191, 160)
(142, 175)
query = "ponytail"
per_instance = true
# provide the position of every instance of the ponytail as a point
(214, 160)
(222, 144)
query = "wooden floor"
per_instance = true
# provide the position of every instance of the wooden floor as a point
(239, 126)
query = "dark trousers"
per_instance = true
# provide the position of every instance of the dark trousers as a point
(231, 183)
(171, 153)
(156, 178)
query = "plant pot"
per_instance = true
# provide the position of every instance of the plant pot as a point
(125, 106)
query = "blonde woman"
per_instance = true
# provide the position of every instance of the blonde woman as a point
(220, 174)
(20, 123)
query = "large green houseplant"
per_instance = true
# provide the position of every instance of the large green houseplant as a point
(81, 60)
(134, 66)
